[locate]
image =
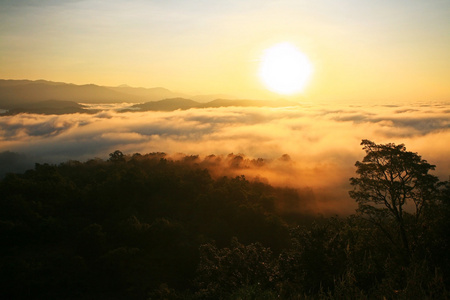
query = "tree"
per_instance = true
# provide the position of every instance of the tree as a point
(116, 156)
(393, 185)
(223, 271)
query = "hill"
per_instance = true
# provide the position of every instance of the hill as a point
(166, 105)
(248, 103)
(149, 227)
(182, 103)
(147, 94)
(49, 107)
(18, 92)
(42, 96)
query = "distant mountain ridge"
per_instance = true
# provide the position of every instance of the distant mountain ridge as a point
(48, 97)
(15, 92)
(54, 107)
(183, 104)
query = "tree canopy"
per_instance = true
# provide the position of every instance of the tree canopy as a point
(393, 184)
(148, 227)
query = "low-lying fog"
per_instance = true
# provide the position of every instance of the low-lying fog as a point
(322, 143)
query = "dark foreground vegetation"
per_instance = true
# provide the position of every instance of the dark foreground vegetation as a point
(146, 227)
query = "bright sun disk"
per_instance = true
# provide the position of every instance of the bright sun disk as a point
(284, 69)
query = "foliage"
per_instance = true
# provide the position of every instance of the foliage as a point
(147, 227)
(224, 271)
(124, 227)
(392, 181)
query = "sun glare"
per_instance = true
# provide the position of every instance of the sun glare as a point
(284, 69)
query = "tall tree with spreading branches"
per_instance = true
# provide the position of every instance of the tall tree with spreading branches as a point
(394, 186)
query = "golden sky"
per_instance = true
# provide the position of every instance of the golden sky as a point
(372, 50)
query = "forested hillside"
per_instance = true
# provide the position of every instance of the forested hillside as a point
(148, 227)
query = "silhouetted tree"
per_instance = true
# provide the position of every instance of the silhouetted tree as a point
(222, 271)
(116, 156)
(150, 227)
(392, 181)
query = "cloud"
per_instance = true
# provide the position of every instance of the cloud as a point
(323, 143)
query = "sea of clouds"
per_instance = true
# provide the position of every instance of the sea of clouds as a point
(322, 142)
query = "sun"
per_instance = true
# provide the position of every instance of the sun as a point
(284, 69)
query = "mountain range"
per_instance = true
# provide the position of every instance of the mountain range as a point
(182, 103)
(48, 97)
(15, 92)
(50, 107)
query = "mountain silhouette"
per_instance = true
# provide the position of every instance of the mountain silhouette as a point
(50, 97)
(147, 94)
(167, 105)
(183, 104)
(56, 107)
(18, 92)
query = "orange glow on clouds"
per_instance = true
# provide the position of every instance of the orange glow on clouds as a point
(322, 141)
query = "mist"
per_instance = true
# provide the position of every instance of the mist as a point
(312, 148)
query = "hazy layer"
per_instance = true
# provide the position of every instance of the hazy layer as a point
(322, 142)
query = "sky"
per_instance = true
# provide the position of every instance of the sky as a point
(379, 51)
